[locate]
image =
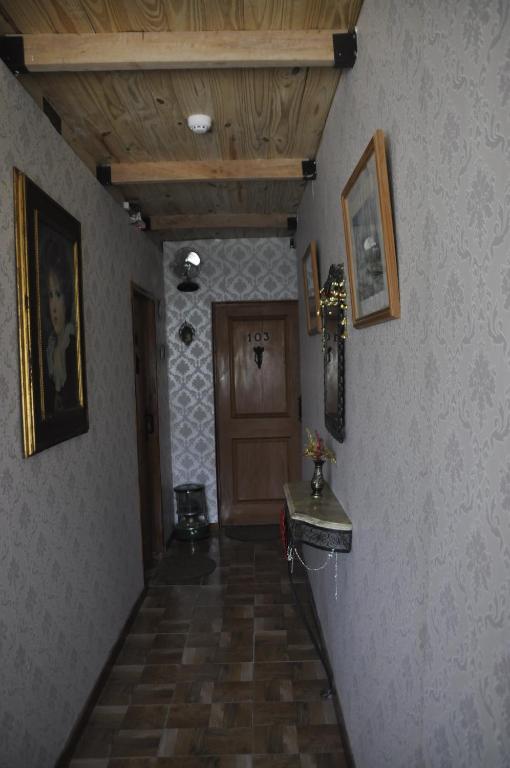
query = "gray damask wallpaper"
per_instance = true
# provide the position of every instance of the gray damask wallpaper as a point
(420, 633)
(70, 549)
(233, 270)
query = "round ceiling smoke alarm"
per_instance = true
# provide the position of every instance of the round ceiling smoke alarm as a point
(199, 123)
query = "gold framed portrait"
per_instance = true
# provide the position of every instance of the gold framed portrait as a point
(50, 313)
(369, 238)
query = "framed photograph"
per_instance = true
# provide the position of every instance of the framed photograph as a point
(369, 239)
(311, 289)
(51, 344)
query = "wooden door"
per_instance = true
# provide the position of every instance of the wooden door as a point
(257, 408)
(147, 425)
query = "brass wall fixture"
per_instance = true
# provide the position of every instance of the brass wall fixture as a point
(186, 333)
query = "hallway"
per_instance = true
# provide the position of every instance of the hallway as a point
(216, 674)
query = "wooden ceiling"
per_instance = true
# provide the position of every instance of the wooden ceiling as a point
(123, 75)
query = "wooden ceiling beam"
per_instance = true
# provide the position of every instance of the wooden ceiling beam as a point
(278, 221)
(280, 169)
(179, 50)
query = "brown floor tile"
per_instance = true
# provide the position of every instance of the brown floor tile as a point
(189, 716)
(198, 655)
(231, 715)
(227, 692)
(206, 741)
(274, 690)
(160, 674)
(279, 713)
(152, 694)
(195, 692)
(186, 691)
(276, 738)
(203, 639)
(107, 716)
(145, 718)
(269, 611)
(130, 674)
(276, 761)
(200, 625)
(319, 738)
(308, 690)
(210, 761)
(294, 713)
(136, 743)
(231, 654)
(95, 742)
(333, 760)
(135, 649)
(116, 692)
(169, 640)
(297, 670)
(147, 621)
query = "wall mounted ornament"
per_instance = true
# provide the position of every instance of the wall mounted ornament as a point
(369, 238)
(51, 339)
(186, 333)
(334, 326)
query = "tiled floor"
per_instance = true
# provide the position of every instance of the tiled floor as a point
(216, 674)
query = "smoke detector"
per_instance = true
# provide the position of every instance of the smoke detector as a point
(199, 123)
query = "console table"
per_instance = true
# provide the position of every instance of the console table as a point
(321, 523)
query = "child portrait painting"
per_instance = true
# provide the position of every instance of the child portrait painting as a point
(52, 350)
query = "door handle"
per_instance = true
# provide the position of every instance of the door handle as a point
(259, 352)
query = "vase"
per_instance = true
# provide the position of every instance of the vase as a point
(317, 482)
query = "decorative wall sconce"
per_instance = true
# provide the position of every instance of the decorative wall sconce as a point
(186, 333)
(186, 266)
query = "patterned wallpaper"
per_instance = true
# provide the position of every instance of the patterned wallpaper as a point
(70, 550)
(233, 270)
(420, 634)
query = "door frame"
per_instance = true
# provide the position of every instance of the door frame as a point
(214, 304)
(157, 523)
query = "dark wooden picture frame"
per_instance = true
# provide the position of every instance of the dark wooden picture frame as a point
(50, 313)
(333, 342)
(311, 289)
(369, 238)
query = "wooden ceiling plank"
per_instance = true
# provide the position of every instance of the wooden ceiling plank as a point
(202, 170)
(215, 197)
(184, 50)
(214, 15)
(220, 221)
(46, 16)
(38, 16)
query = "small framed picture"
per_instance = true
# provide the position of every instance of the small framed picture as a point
(51, 343)
(311, 289)
(369, 238)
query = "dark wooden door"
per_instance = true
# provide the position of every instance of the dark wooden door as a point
(147, 425)
(257, 408)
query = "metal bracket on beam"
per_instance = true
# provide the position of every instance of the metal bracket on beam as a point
(12, 53)
(345, 49)
(292, 223)
(104, 175)
(309, 169)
